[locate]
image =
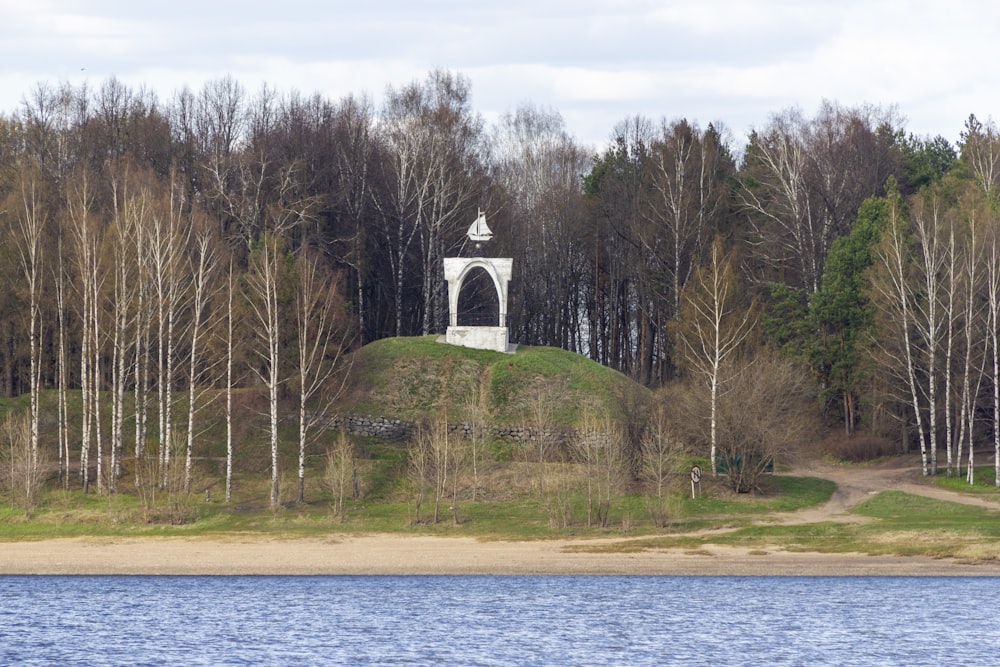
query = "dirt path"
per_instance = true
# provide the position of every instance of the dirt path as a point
(857, 483)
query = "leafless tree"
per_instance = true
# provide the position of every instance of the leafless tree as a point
(980, 143)
(688, 195)
(435, 147)
(661, 454)
(893, 289)
(29, 235)
(341, 475)
(230, 290)
(203, 264)
(23, 465)
(265, 279)
(779, 199)
(87, 233)
(754, 434)
(713, 325)
(539, 167)
(476, 411)
(324, 336)
(600, 447)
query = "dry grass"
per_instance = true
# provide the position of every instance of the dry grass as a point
(859, 448)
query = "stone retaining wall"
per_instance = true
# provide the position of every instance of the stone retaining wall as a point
(401, 429)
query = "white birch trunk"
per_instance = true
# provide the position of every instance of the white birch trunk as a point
(29, 245)
(229, 387)
(61, 370)
(204, 259)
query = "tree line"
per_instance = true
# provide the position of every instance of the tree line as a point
(225, 238)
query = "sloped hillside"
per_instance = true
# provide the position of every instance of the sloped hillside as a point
(419, 377)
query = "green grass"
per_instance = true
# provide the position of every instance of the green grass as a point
(387, 507)
(900, 524)
(985, 484)
(413, 378)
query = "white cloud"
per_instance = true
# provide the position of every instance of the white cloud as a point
(595, 61)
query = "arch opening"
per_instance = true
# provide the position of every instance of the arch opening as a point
(478, 300)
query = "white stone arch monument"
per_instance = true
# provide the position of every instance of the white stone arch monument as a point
(456, 270)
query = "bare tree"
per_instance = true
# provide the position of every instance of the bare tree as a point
(754, 434)
(476, 411)
(126, 227)
(779, 199)
(993, 310)
(62, 368)
(420, 462)
(435, 145)
(323, 339)
(357, 147)
(893, 289)
(975, 342)
(713, 324)
(805, 178)
(980, 143)
(30, 230)
(916, 292)
(202, 266)
(341, 474)
(229, 383)
(540, 166)
(661, 455)
(688, 195)
(600, 447)
(265, 279)
(87, 235)
(23, 465)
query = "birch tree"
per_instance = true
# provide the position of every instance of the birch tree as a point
(265, 278)
(539, 167)
(993, 309)
(62, 368)
(661, 452)
(30, 230)
(125, 280)
(202, 266)
(600, 448)
(229, 383)
(435, 154)
(688, 194)
(975, 342)
(893, 286)
(980, 150)
(713, 324)
(87, 233)
(323, 337)
(778, 198)
(932, 316)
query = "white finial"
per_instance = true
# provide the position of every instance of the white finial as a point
(478, 231)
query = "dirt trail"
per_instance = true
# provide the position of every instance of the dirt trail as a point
(857, 483)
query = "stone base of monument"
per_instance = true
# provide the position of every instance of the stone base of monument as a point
(480, 338)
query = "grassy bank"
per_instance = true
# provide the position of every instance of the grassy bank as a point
(509, 494)
(890, 523)
(522, 515)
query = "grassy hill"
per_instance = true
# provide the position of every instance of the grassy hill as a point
(418, 378)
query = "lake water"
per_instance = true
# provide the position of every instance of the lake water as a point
(498, 621)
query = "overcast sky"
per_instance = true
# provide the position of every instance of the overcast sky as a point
(596, 62)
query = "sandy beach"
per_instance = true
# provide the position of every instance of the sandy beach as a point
(425, 555)
(396, 554)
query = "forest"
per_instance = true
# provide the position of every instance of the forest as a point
(157, 250)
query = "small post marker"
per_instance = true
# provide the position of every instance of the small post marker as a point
(695, 481)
